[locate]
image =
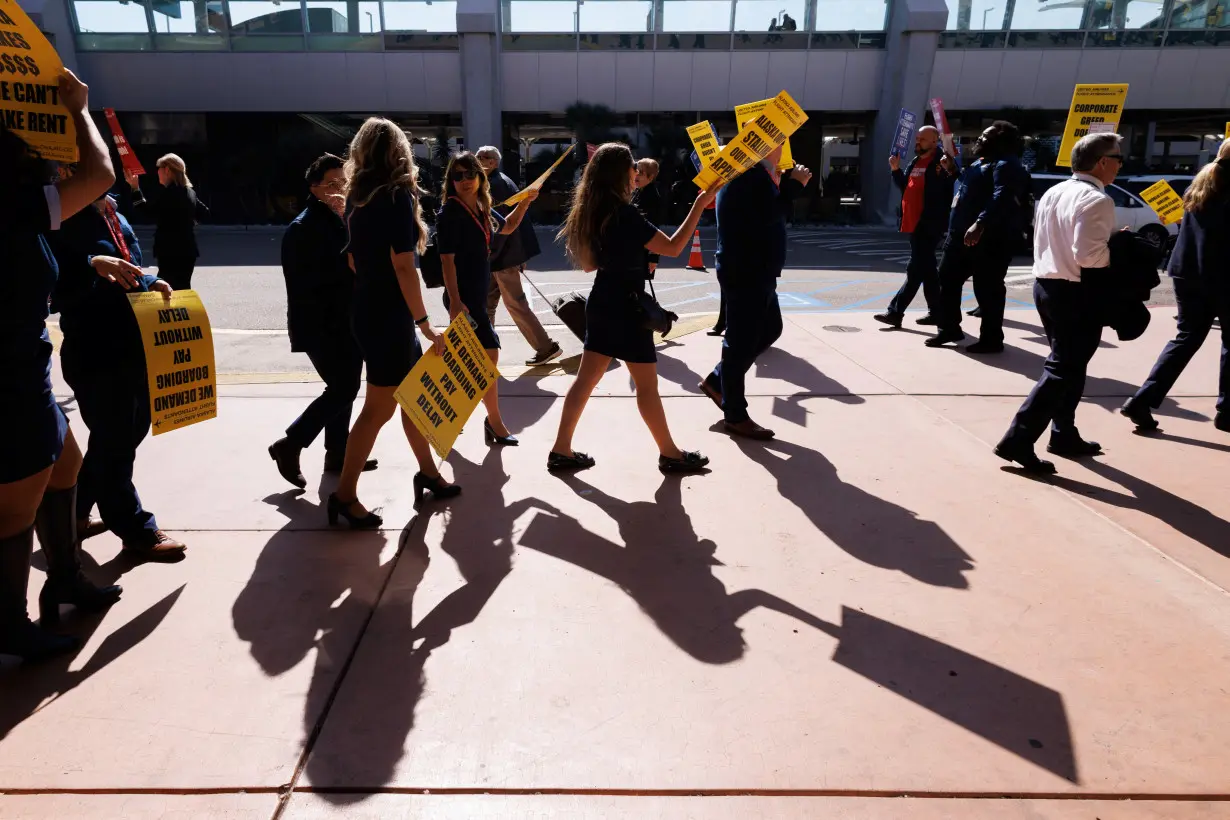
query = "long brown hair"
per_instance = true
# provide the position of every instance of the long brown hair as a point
(1213, 181)
(605, 185)
(381, 159)
(466, 161)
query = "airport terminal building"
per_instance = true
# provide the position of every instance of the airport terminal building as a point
(249, 90)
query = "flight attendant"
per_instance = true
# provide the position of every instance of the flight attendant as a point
(39, 458)
(385, 222)
(176, 211)
(464, 230)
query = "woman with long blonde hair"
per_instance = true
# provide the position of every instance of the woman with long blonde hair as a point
(176, 211)
(465, 227)
(1200, 268)
(606, 233)
(386, 227)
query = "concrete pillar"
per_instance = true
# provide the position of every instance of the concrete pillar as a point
(478, 29)
(913, 38)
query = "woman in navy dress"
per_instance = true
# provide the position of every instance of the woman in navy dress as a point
(463, 234)
(386, 227)
(604, 231)
(39, 458)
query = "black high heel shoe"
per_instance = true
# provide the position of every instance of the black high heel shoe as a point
(436, 486)
(497, 441)
(337, 507)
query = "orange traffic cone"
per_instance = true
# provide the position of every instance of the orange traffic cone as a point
(695, 260)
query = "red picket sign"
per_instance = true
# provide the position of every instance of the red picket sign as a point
(127, 157)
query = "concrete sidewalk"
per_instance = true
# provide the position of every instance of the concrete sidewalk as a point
(871, 617)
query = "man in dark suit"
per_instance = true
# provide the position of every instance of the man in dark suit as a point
(508, 257)
(751, 252)
(319, 287)
(926, 196)
(985, 230)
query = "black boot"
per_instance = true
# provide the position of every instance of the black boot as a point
(56, 525)
(17, 635)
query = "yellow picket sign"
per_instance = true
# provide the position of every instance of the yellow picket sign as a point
(1228, 130)
(771, 127)
(1090, 104)
(179, 358)
(746, 112)
(442, 391)
(704, 142)
(1165, 201)
(30, 73)
(537, 184)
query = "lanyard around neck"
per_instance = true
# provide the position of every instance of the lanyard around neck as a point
(116, 229)
(486, 229)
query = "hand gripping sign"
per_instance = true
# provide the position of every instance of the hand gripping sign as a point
(537, 184)
(442, 391)
(941, 123)
(179, 358)
(1092, 105)
(771, 128)
(30, 87)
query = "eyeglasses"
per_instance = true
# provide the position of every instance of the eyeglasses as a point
(458, 176)
(1116, 157)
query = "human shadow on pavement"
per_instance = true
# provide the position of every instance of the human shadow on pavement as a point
(662, 565)
(1191, 519)
(778, 363)
(875, 531)
(365, 734)
(677, 372)
(1029, 364)
(33, 688)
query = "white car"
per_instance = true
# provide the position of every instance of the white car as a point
(1130, 209)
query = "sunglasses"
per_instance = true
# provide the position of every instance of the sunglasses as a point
(458, 176)
(1117, 157)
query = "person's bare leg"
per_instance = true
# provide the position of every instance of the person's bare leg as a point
(593, 366)
(491, 399)
(421, 447)
(649, 402)
(68, 465)
(19, 501)
(378, 408)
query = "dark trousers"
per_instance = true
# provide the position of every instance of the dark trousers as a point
(340, 364)
(1073, 327)
(753, 324)
(1198, 307)
(921, 272)
(114, 403)
(720, 324)
(987, 263)
(177, 271)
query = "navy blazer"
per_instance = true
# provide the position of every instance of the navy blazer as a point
(751, 227)
(937, 193)
(319, 281)
(519, 247)
(175, 210)
(995, 194)
(1202, 249)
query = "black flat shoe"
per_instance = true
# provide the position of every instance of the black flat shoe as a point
(1139, 415)
(1222, 422)
(286, 456)
(928, 320)
(436, 486)
(1026, 458)
(690, 463)
(493, 440)
(338, 508)
(890, 319)
(945, 337)
(985, 348)
(557, 462)
(1073, 447)
(334, 465)
(975, 312)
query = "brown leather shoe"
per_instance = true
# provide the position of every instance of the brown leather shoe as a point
(749, 429)
(90, 527)
(714, 395)
(164, 549)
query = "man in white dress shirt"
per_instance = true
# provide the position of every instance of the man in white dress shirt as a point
(1072, 229)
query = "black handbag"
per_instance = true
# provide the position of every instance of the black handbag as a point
(652, 315)
(430, 265)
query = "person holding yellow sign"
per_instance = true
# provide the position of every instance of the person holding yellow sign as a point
(385, 220)
(1200, 268)
(39, 458)
(464, 230)
(605, 232)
